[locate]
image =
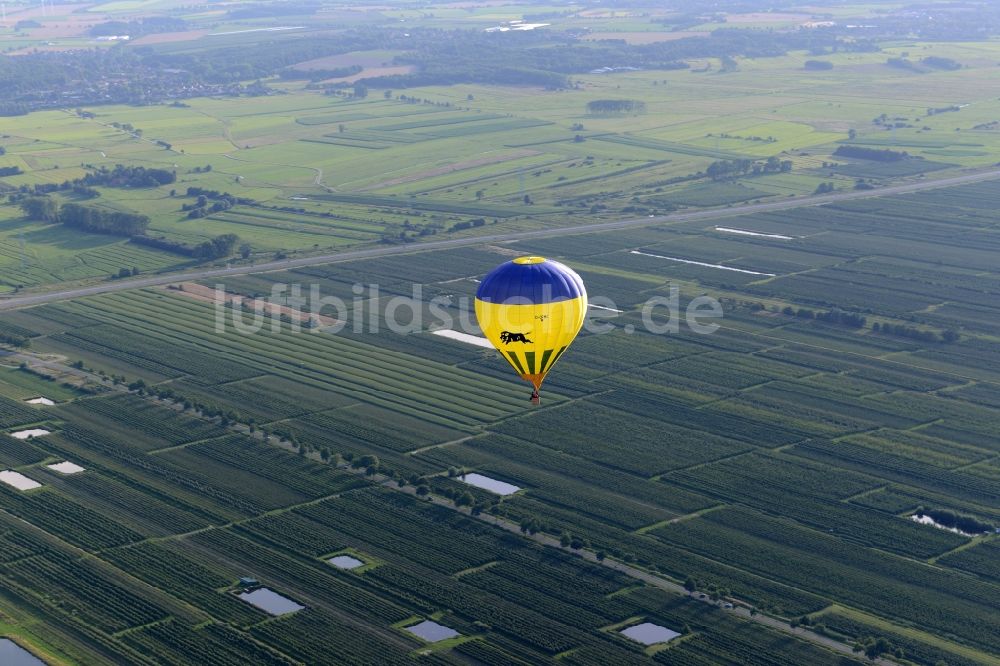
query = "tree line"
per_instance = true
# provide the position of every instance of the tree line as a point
(855, 320)
(724, 169)
(966, 524)
(818, 65)
(849, 319)
(913, 333)
(874, 154)
(101, 221)
(215, 248)
(609, 106)
(941, 63)
(127, 176)
(14, 340)
(120, 176)
(220, 201)
(86, 218)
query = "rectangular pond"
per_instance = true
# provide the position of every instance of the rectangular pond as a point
(19, 481)
(432, 632)
(270, 601)
(744, 232)
(345, 562)
(464, 337)
(25, 434)
(486, 483)
(702, 264)
(66, 467)
(927, 520)
(648, 633)
(12, 654)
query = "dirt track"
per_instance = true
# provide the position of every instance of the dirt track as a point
(208, 295)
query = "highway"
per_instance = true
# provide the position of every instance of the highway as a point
(13, 302)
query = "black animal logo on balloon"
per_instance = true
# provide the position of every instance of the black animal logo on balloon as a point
(507, 337)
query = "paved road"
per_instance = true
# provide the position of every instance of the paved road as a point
(349, 255)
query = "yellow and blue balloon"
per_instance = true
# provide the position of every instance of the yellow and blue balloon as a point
(531, 309)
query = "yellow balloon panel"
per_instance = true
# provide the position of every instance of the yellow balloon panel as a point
(532, 337)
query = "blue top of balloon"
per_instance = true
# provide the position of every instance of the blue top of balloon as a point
(530, 281)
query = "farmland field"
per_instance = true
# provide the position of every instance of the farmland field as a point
(813, 479)
(314, 172)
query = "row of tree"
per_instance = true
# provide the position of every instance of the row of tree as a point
(204, 195)
(855, 320)
(127, 176)
(14, 340)
(966, 524)
(917, 334)
(467, 224)
(724, 169)
(40, 209)
(216, 248)
(874, 154)
(220, 201)
(102, 221)
(939, 62)
(818, 65)
(120, 176)
(849, 319)
(602, 107)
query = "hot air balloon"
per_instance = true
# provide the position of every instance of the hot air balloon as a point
(531, 309)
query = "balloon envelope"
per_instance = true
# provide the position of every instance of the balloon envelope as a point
(531, 309)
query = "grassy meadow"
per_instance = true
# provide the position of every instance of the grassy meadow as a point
(469, 151)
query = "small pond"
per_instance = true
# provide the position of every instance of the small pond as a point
(432, 632)
(19, 481)
(486, 483)
(270, 601)
(345, 562)
(25, 434)
(648, 633)
(66, 467)
(12, 654)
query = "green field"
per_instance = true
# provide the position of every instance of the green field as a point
(703, 457)
(325, 172)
